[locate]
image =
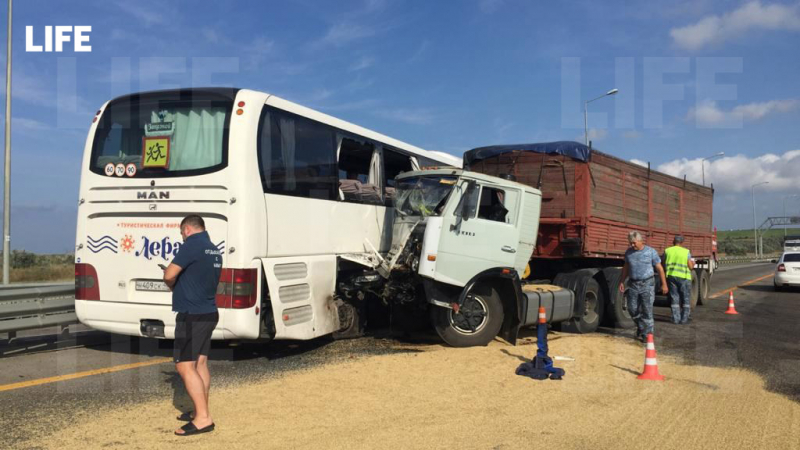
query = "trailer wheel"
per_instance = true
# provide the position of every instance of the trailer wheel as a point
(618, 316)
(594, 305)
(695, 293)
(477, 321)
(704, 282)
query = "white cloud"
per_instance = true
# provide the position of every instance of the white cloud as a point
(30, 125)
(749, 17)
(343, 33)
(738, 173)
(595, 135)
(418, 116)
(755, 111)
(707, 113)
(423, 47)
(490, 6)
(364, 63)
(632, 134)
(148, 12)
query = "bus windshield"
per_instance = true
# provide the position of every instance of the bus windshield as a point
(162, 135)
(423, 196)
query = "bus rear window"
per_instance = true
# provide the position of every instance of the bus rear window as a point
(152, 136)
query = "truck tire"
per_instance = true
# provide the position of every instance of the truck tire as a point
(616, 306)
(585, 286)
(695, 292)
(476, 323)
(704, 284)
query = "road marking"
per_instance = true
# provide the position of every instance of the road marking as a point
(72, 376)
(743, 284)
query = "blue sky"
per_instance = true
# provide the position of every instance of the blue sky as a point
(443, 75)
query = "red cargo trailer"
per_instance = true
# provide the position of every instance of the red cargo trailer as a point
(590, 201)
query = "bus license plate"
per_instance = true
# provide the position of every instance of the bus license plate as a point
(154, 286)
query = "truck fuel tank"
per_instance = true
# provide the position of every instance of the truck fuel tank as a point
(558, 303)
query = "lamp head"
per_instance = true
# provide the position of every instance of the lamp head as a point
(612, 92)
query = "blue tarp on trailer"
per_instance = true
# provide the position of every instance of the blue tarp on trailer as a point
(571, 149)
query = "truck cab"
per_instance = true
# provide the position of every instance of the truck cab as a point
(465, 239)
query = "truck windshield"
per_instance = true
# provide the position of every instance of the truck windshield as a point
(161, 136)
(423, 196)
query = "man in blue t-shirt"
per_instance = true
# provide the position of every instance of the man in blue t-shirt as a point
(641, 263)
(193, 277)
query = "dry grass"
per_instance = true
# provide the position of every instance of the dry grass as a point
(53, 272)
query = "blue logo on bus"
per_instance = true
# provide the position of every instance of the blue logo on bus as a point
(100, 244)
(164, 248)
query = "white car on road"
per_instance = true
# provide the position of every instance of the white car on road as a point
(787, 272)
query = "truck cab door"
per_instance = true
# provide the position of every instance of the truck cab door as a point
(479, 232)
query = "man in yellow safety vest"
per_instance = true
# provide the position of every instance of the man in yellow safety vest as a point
(679, 265)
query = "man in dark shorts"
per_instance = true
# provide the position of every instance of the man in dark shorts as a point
(193, 277)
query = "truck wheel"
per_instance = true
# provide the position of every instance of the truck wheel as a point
(618, 316)
(695, 293)
(704, 282)
(592, 314)
(475, 324)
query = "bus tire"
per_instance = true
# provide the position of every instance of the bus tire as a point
(594, 306)
(476, 323)
(617, 307)
(704, 284)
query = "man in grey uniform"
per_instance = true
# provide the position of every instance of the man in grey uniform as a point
(641, 262)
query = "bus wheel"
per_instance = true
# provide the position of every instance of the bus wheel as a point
(703, 285)
(477, 321)
(350, 320)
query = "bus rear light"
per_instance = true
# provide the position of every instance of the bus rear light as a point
(431, 257)
(237, 288)
(95, 119)
(239, 112)
(781, 268)
(86, 283)
(240, 104)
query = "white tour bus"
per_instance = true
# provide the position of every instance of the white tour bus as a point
(287, 194)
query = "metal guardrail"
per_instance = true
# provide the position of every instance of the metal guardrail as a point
(744, 259)
(37, 307)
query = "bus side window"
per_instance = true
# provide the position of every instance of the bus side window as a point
(296, 156)
(394, 163)
(356, 180)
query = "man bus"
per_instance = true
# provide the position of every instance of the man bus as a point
(290, 196)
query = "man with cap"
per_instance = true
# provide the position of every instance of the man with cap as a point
(680, 264)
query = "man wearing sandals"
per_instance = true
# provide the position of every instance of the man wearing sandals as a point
(193, 277)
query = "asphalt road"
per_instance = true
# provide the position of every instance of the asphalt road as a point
(763, 338)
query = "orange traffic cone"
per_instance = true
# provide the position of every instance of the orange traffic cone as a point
(650, 363)
(731, 306)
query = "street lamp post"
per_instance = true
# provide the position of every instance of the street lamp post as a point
(784, 211)
(703, 164)
(755, 231)
(586, 114)
(7, 168)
